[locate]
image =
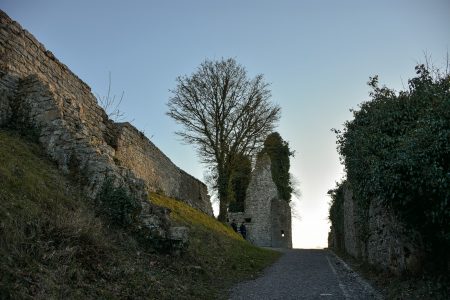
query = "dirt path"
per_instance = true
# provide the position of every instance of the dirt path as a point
(306, 274)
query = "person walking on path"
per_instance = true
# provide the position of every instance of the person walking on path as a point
(243, 230)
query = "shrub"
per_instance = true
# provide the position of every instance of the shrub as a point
(117, 204)
(397, 149)
(336, 214)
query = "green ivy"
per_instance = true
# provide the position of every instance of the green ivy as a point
(279, 153)
(397, 149)
(336, 214)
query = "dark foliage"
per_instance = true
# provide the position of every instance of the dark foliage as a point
(279, 153)
(117, 204)
(240, 180)
(336, 214)
(397, 149)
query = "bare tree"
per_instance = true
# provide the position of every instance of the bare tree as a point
(224, 114)
(111, 104)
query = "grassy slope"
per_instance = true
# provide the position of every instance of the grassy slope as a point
(218, 254)
(52, 245)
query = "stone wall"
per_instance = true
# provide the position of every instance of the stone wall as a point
(351, 239)
(281, 224)
(267, 218)
(136, 152)
(378, 238)
(390, 244)
(260, 192)
(41, 95)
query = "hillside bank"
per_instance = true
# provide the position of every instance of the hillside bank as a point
(53, 244)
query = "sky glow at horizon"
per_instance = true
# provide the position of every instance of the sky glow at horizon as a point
(317, 55)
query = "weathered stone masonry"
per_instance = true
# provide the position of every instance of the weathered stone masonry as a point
(267, 217)
(385, 242)
(40, 92)
(136, 152)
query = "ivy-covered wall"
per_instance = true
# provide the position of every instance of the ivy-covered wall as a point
(396, 153)
(278, 151)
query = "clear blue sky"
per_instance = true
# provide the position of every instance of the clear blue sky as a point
(318, 56)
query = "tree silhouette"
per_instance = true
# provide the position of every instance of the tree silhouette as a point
(224, 114)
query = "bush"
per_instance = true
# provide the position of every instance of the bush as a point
(336, 214)
(397, 149)
(117, 204)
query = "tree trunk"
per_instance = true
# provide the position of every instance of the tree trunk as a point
(223, 214)
(223, 189)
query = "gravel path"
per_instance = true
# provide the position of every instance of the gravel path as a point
(306, 274)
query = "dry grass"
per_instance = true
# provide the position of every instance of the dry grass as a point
(52, 245)
(185, 215)
(221, 255)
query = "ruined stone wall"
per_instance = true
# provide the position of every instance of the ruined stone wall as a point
(268, 215)
(42, 98)
(380, 238)
(260, 192)
(43, 95)
(351, 239)
(136, 152)
(390, 244)
(281, 224)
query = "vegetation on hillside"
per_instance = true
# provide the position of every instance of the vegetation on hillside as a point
(117, 205)
(53, 245)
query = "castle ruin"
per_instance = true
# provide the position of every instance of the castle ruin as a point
(266, 216)
(39, 94)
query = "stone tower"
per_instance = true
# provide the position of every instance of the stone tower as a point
(266, 216)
